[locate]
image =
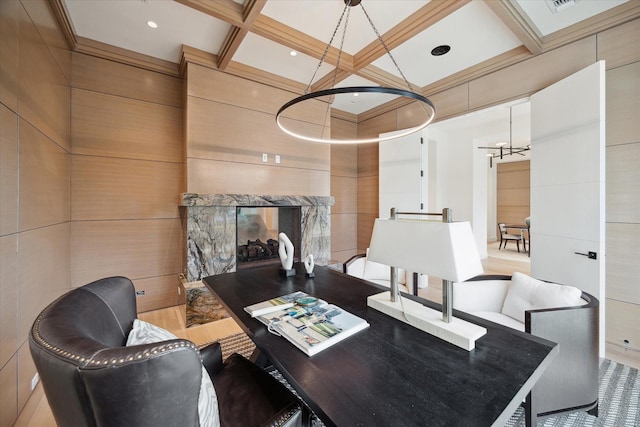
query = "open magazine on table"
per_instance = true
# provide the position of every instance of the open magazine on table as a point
(313, 328)
(275, 304)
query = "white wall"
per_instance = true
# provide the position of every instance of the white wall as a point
(460, 178)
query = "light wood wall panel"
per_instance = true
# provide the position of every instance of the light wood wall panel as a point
(345, 191)
(133, 248)
(43, 271)
(623, 183)
(8, 171)
(513, 192)
(529, 76)
(368, 195)
(373, 127)
(513, 215)
(213, 85)
(344, 188)
(105, 188)
(368, 160)
(367, 209)
(450, 102)
(521, 166)
(213, 177)
(8, 297)
(343, 239)
(514, 179)
(344, 217)
(623, 268)
(343, 129)
(112, 126)
(108, 77)
(365, 228)
(621, 324)
(43, 88)
(161, 291)
(619, 45)
(344, 160)
(344, 234)
(411, 115)
(44, 180)
(367, 192)
(9, 12)
(623, 104)
(8, 389)
(235, 134)
(513, 197)
(41, 14)
(230, 123)
(127, 175)
(35, 142)
(26, 371)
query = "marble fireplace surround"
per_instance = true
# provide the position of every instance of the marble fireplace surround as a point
(211, 228)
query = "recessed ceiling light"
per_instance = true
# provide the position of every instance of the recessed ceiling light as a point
(440, 50)
(152, 24)
(293, 53)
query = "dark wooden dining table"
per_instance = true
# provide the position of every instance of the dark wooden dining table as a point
(389, 374)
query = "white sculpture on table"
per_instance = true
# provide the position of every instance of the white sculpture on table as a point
(309, 264)
(285, 250)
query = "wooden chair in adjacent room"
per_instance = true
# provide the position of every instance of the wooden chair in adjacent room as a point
(505, 236)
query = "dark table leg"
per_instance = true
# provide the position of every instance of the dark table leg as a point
(530, 413)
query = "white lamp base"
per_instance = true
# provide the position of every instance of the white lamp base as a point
(459, 332)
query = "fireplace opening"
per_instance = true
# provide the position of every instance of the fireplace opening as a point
(257, 234)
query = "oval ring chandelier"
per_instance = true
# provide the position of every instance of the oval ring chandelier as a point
(424, 102)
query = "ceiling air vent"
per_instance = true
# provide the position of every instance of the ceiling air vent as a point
(560, 5)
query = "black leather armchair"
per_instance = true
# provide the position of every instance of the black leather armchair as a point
(91, 378)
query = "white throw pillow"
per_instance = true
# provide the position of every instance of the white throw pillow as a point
(146, 333)
(527, 293)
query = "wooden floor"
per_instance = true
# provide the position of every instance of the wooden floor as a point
(37, 413)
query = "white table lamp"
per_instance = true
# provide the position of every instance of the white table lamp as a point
(442, 249)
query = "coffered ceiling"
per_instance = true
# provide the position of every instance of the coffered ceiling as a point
(255, 38)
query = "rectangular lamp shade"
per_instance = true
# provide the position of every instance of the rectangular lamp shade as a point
(440, 249)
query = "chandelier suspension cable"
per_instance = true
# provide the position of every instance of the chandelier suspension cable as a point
(386, 48)
(346, 10)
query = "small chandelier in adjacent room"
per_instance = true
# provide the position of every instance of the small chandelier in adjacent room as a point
(305, 131)
(502, 149)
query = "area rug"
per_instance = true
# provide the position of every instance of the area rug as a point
(236, 343)
(619, 393)
(619, 397)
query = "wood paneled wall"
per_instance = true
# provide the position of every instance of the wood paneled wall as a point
(513, 192)
(344, 187)
(126, 176)
(623, 185)
(619, 48)
(230, 124)
(35, 147)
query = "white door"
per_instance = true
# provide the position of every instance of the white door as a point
(568, 182)
(400, 181)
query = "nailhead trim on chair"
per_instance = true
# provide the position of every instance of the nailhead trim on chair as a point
(114, 361)
(284, 418)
